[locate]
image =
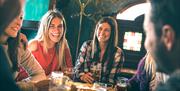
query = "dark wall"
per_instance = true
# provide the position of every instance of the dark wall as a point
(132, 58)
(92, 12)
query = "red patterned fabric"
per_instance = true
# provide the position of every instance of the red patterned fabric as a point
(48, 61)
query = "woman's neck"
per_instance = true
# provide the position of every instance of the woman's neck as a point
(3, 39)
(50, 44)
(103, 46)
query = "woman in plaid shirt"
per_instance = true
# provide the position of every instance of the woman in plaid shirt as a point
(102, 51)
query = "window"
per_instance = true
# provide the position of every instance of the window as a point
(132, 41)
(133, 12)
(35, 9)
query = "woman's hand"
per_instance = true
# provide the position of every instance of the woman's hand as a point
(23, 37)
(24, 40)
(87, 77)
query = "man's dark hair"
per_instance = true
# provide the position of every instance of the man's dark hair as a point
(165, 12)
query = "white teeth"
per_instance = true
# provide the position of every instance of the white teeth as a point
(101, 36)
(15, 28)
(55, 34)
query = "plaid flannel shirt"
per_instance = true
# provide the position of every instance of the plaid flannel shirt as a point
(84, 62)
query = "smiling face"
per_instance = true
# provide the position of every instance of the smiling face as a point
(14, 26)
(103, 32)
(56, 30)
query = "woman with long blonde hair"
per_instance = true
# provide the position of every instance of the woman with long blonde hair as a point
(50, 46)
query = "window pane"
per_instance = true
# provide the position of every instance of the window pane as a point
(35, 9)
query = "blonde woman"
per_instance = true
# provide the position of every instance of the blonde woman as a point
(50, 46)
(146, 77)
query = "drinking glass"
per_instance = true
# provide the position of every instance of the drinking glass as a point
(121, 84)
(96, 71)
(56, 78)
(100, 86)
(69, 71)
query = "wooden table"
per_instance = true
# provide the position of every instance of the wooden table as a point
(71, 86)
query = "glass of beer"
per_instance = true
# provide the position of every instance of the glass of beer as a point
(96, 71)
(55, 80)
(121, 84)
(68, 71)
(100, 86)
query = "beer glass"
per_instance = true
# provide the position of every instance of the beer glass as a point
(55, 80)
(121, 84)
(96, 71)
(69, 71)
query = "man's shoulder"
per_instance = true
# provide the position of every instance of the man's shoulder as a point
(172, 83)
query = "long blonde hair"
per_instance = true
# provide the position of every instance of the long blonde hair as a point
(150, 64)
(43, 31)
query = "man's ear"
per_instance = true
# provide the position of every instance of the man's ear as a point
(168, 36)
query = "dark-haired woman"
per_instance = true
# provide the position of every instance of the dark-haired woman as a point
(102, 52)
